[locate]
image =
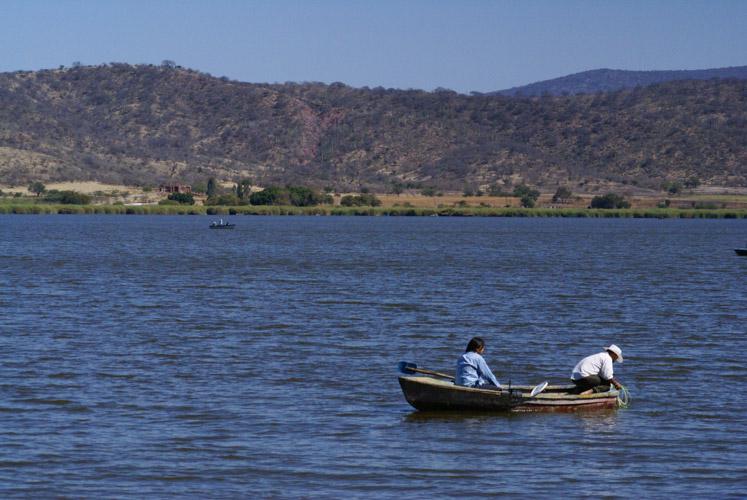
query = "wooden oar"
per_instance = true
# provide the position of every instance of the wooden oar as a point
(412, 368)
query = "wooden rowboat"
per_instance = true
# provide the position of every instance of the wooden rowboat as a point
(741, 251)
(427, 394)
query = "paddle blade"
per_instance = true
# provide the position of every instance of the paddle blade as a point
(538, 388)
(407, 368)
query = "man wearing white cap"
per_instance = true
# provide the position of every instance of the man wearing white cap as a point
(594, 373)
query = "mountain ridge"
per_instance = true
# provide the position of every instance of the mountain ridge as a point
(607, 80)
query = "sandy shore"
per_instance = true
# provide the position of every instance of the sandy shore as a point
(85, 187)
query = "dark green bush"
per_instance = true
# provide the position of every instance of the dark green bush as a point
(67, 197)
(301, 196)
(609, 200)
(223, 199)
(212, 187)
(705, 205)
(37, 188)
(182, 198)
(271, 195)
(363, 200)
(672, 187)
(527, 195)
(562, 194)
(528, 201)
(298, 196)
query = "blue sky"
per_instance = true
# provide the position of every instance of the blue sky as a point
(463, 45)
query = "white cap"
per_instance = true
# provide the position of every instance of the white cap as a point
(616, 350)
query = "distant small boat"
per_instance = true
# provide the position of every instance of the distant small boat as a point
(741, 251)
(221, 225)
(429, 394)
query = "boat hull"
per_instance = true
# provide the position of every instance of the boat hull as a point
(429, 394)
(741, 251)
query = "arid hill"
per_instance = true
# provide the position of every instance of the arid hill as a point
(607, 80)
(143, 125)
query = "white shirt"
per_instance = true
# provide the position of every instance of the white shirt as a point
(596, 364)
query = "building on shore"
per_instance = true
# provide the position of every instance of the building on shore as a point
(175, 188)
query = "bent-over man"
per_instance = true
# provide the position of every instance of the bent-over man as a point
(594, 373)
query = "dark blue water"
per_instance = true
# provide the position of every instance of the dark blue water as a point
(151, 356)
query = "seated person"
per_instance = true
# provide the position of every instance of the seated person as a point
(594, 373)
(472, 370)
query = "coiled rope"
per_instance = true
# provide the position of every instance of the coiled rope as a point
(623, 397)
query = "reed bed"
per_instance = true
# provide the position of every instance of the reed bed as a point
(639, 213)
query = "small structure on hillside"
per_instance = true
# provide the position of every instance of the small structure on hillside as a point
(175, 188)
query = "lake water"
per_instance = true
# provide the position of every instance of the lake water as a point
(153, 357)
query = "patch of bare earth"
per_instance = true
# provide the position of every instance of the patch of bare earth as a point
(446, 200)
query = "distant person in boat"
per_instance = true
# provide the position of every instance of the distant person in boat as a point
(472, 370)
(594, 373)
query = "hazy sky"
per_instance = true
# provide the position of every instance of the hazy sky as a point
(463, 45)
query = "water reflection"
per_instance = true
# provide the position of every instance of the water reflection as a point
(455, 416)
(589, 420)
(598, 421)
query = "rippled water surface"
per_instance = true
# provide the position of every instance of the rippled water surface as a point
(151, 356)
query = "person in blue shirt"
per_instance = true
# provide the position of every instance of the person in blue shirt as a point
(472, 370)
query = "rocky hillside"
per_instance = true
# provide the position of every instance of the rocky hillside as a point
(144, 125)
(607, 80)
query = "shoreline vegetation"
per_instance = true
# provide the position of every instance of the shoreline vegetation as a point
(326, 210)
(243, 198)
